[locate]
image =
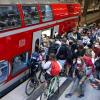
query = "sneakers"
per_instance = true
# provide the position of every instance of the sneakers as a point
(68, 95)
(81, 95)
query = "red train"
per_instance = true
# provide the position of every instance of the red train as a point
(21, 25)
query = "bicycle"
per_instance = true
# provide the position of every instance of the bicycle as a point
(34, 80)
(52, 86)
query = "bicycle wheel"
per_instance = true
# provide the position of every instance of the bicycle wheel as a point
(47, 92)
(54, 86)
(51, 87)
(41, 77)
(50, 90)
(58, 84)
(30, 87)
(43, 96)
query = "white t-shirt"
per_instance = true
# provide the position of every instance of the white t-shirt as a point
(86, 39)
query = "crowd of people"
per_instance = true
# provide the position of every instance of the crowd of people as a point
(76, 55)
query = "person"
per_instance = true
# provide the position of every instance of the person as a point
(87, 58)
(64, 51)
(78, 35)
(64, 56)
(49, 65)
(33, 64)
(96, 83)
(79, 79)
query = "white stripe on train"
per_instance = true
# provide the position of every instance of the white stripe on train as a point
(14, 80)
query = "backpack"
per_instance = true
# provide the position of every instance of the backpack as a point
(53, 48)
(55, 68)
(62, 52)
(35, 56)
(88, 62)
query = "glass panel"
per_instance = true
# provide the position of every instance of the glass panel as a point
(9, 17)
(19, 62)
(31, 15)
(3, 71)
(46, 13)
(70, 8)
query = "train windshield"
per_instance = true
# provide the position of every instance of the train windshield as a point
(9, 17)
(3, 71)
(31, 15)
(46, 13)
(19, 63)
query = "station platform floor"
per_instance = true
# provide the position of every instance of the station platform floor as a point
(19, 93)
(90, 94)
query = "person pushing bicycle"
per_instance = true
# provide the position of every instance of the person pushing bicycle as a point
(52, 67)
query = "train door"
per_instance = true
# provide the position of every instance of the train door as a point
(36, 40)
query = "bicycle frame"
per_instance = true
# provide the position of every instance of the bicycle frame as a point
(51, 87)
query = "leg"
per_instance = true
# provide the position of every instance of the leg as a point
(81, 93)
(73, 87)
(68, 68)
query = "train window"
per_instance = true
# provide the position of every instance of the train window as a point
(19, 63)
(3, 71)
(31, 15)
(9, 17)
(70, 8)
(46, 13)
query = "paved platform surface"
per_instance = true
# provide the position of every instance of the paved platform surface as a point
(90, 94)
(19, 92)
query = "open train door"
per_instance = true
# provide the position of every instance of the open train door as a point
(36, 40)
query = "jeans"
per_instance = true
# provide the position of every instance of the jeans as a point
(77, 87)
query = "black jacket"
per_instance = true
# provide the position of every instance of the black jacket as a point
(64, 52)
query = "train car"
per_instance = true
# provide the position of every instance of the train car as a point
(21, 26)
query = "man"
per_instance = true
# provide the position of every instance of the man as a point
(52, 67)
(63, 51)
(79, 79)
(96, 82)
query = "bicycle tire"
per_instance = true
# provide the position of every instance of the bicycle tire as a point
(43, 97)
(46, 93)
(58, 85)
(51, 87)
(31, 88)
(41, 77)
(54, 86)
(50, 90)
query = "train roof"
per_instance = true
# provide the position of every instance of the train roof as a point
(30, 1)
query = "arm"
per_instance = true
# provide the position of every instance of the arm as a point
(83, 79)
(98, 81)
(46, 65)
